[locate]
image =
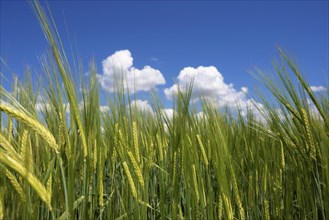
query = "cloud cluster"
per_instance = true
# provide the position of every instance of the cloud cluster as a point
(208, 83)
(118, 68)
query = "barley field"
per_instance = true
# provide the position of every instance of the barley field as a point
(67, 159)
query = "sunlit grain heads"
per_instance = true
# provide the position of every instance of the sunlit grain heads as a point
(31, 179)
(137, 170)
(30, 122)
(228, 208)
(203, 151)
(266, 210)
(220, 207)
(15, 184)
(195, 184)
(311, 148)
(130, 180)
(136, 145)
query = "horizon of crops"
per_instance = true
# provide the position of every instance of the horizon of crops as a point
(73, 161)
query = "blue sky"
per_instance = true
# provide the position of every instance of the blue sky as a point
(233, 36)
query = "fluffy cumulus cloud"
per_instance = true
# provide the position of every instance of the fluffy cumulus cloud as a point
(142, 106)
(209, 84)
(318, 88)
(118, 68)
(168, 112)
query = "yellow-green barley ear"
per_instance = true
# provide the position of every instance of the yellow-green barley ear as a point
(30, 122)
(220, 207)
(228, 208)
(49, 185)
(8, 147)
(137, 170)
(130, 180)
(14, 182)
(24, 144)
(282, 156)
(160, 147)
(180, 212)
(195, 184)
(174, 170)
(202, 149)
(312, 148)
(209, 150)
(113, 157)
(31, 179)
(266, 210)
(173, 209)
(26, 151)
(136, 145)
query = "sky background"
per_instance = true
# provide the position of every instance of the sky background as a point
(233, 36)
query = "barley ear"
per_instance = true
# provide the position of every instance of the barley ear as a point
(31, 179)
(312, 148)
(195, 184)
(202, 149)
(31, 122)
(136, 146)
(130, 180)
(266, 210)
(13, 181)
(220, 207)
(137, 170)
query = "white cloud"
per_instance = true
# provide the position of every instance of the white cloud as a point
(209, 84)
(142, 106)
(168, 112)
(119, 68)
(104, 108)
(318, 88)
